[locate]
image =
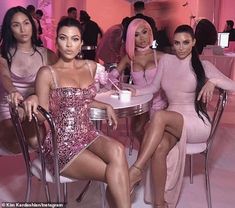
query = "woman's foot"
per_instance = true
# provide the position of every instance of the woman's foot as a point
(135, 174)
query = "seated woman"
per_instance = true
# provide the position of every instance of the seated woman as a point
(20, 60)
(188, 84)
(143, 62)
(67, 90)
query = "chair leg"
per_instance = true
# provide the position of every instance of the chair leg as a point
(82, 194)
(28, 190)
(130, 135)
(65, 193)
(208, 190)
(191, 168)
(127, 127)
(48, 197)
(103, 194)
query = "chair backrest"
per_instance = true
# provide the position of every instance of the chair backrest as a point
(219, 109)
(24, 144)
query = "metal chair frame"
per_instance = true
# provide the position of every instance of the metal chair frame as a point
(222, 100)
(29, 163)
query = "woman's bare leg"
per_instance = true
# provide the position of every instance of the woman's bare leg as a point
(159, 168)
(138, 126)
(161, 121)
(105, 161)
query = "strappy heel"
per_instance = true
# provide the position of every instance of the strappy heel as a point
(138, 181)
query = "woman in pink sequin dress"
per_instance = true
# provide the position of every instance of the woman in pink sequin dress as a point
(67, 90)
(188, 83)
(143, 61)
(20, 60)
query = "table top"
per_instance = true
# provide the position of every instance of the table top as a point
(138, 105)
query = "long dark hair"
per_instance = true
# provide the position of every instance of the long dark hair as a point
(8, 40)
(198, 69)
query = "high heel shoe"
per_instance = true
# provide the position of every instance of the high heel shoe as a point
(137, 182)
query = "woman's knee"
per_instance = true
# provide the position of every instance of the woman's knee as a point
(117, 151)
(158, 117)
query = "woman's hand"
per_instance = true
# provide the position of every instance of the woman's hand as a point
(15, 98)
(112, 118)
(30, 106)
(206, 92)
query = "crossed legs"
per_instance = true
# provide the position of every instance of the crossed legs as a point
(105, 161)
(161, 135)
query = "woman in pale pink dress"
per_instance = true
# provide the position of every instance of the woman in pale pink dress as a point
(143, 61)
(20, 60)
(188, 84)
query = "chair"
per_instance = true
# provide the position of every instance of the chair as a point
(36, 166)
(205, 148)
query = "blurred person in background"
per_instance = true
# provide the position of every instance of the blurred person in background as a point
(111, 48)
(72, 12)
(91, 35)
(229, 28)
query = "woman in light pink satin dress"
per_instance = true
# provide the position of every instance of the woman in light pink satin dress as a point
(143, 61)
(20, 60)
(188, 84)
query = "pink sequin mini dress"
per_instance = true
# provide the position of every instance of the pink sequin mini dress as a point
(69, 108)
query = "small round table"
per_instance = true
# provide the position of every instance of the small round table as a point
(137, 106)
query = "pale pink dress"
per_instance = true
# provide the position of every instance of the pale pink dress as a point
(141, 79)
(177, 79)
(27, 66)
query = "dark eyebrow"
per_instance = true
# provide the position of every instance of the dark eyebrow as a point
(19, 22)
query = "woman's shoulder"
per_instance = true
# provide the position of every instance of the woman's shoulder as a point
(45, 70)
(167, 57)
(89, 64)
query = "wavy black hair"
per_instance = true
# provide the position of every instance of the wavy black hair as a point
(199, 72)
(8, 40)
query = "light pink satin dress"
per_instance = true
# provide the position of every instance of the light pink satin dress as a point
(143, 78)
(23, 71)
(177, 79)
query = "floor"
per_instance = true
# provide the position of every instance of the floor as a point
(222, 174)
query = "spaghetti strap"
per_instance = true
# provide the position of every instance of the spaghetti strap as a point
(90, 69)
(53, 76)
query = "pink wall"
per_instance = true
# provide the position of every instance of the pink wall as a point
(108, 12)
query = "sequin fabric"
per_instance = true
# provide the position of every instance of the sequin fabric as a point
(70, 111)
